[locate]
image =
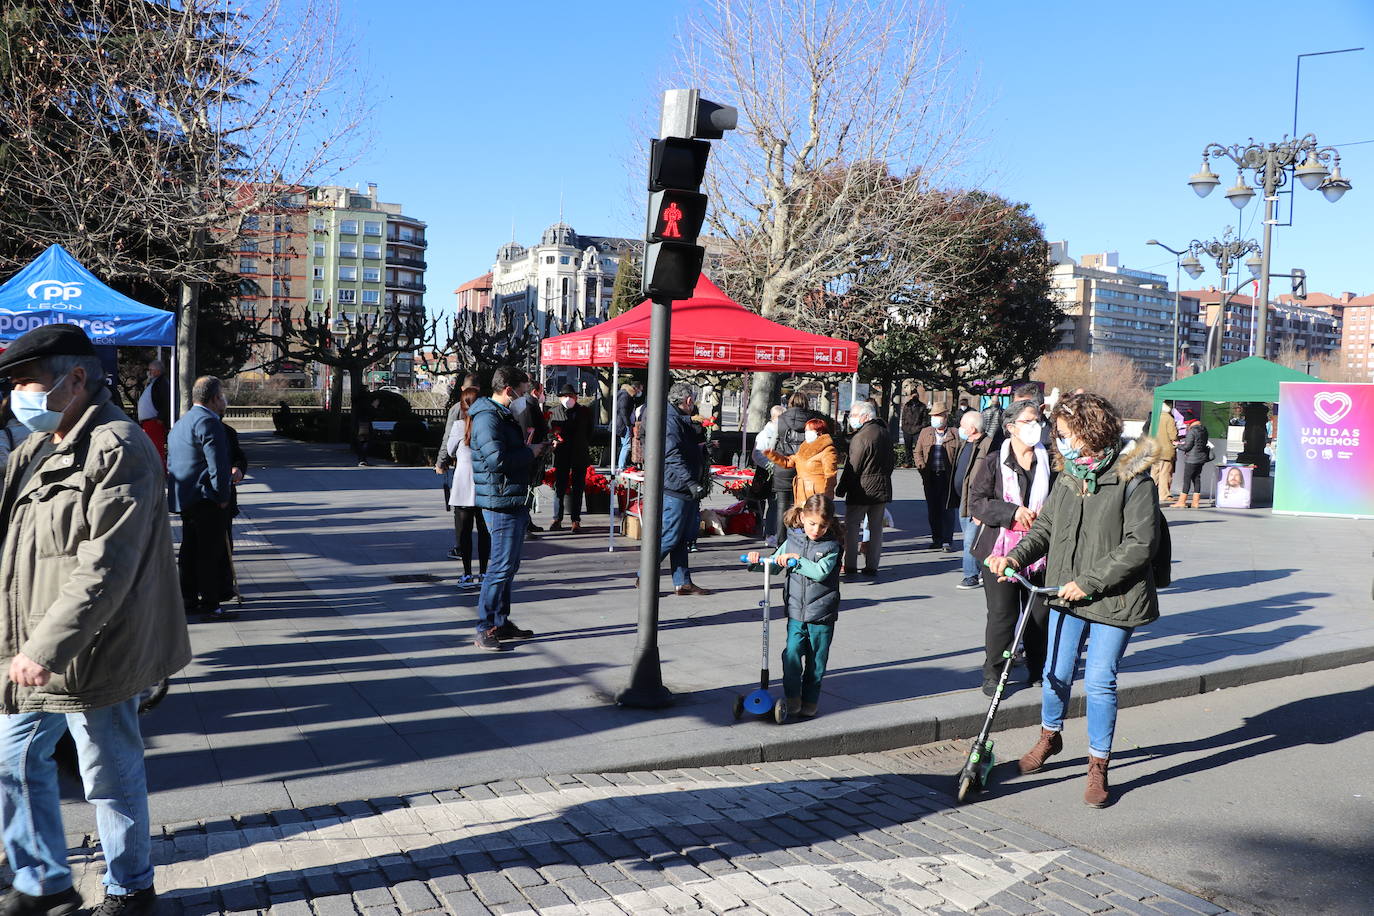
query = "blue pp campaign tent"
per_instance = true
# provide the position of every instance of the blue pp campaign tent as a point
(55, 289)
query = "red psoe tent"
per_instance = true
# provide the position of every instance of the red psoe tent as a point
(710, 331)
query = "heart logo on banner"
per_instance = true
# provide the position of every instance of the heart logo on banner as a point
(1331, 406)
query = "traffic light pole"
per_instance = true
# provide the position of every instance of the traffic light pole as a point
(646, 690)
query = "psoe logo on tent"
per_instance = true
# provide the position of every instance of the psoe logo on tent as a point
(56, 294)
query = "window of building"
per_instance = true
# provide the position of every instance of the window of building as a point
(372, 251)
(319, 249)
(348, 273)
(348, 295)
(372, 275)
(248, 266)
(348, 226)
(348, 249)
(319, 273)
(371, 296)
(317, 294)
(372, 227)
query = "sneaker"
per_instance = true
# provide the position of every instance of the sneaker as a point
(135, 904)
(771, 541)
(970, 582)
(486, 639)
(509, 630)
(453, 554)
(18, 903)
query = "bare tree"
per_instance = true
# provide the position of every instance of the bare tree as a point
(1110, 375)
(143, 132)
(849, 116)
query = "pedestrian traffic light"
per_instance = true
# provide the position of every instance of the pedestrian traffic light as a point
(1299, 283)
(677, 208)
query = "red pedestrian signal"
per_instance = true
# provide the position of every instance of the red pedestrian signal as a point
(676, 216)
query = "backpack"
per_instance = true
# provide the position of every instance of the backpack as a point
(1164, 547)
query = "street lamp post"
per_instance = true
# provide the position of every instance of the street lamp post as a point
(1269, 165)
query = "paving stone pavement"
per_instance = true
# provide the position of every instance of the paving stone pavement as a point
(867, 834)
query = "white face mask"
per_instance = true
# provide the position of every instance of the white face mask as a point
(937, 422)
(1028, 433)
(569, 402)
(812, 435)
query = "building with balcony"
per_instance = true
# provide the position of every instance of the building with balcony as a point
(1111, 308)
(1355, 315)
(1301, 329)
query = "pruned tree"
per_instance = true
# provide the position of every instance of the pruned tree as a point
(477, 343)
(350, 344)
(850, 116)
(140, 132)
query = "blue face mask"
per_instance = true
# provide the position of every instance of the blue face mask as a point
(1068, 451)
(31, 408)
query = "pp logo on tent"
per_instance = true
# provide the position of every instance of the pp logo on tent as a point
(1331, 406)
(56, 294)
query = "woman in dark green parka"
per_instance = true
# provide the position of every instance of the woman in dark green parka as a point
(1098, 543)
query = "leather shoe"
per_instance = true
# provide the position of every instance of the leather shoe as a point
(690, 589)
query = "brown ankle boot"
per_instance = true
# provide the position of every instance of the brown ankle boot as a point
(1197, 498)
(1095, 795)
(1182, 501)
(1050, 743)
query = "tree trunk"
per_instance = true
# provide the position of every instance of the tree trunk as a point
(186, 344)
(763, 394)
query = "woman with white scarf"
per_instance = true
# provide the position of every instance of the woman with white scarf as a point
(1008, 489)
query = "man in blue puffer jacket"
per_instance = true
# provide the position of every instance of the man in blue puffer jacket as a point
(502, 464)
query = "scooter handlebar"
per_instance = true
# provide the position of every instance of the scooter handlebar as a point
(744, 558)
(1011, 573)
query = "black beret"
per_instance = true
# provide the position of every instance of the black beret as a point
(47, 340)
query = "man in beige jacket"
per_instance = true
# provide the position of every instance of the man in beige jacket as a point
(90, 616)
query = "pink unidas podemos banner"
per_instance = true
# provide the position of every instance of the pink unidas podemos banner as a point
(1325, 450)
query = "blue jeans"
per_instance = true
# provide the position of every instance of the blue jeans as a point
(110, 749)
(624, 453)
(507, 543)
(1106, 645)
(969, 528)
(681, 522)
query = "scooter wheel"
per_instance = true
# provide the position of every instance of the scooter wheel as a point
(780, 711)
(965, 789)
(739, 707)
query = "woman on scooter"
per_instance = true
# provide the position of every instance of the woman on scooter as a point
(1009, 489)
(814, 539)
(1098, 544)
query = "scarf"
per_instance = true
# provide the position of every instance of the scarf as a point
(1007, 538)
(1089, 469)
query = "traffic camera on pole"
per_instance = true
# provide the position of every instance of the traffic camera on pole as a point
(677, 208)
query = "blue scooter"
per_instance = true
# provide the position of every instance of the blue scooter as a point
(760, 702)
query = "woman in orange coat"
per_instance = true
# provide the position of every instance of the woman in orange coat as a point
(815, 462)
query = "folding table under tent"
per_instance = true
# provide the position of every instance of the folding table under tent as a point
(709, 331)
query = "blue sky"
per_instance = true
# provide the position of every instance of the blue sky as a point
(1094, 113)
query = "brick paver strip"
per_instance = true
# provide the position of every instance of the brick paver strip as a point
(847, 834)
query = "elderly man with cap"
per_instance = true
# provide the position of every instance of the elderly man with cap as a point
(570, 429)
(90, 616)
(937, 449)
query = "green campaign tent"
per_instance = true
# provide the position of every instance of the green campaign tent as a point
(1249, 379)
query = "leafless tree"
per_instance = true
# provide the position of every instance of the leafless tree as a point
(141, 132)
(850, 116)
